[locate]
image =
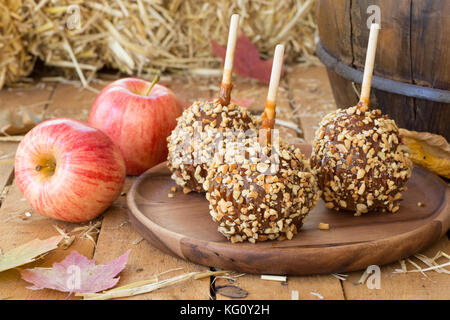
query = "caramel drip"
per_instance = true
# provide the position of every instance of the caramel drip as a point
(225, 93)
(268, 117)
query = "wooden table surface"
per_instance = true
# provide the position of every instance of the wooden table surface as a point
(305, 96)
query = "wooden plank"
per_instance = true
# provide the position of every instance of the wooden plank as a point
(311, 97)
(117, 235)
(70, 101)
(303, 288)
(393, 56)
(430, 43)
(399, 286)
(255, 93)
(7, 152)
(332, 22)
(191, 88)
(34, 98)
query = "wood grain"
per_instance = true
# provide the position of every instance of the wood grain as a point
(7, 153)
(326, 286)
(430, 43)
(255, 93)
(70, 101)
(311, 97)
(333, 23)
(393, 56)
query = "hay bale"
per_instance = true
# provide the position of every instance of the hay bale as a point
(15, 61)
(144, 37)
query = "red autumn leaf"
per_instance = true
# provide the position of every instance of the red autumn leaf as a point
(247, 62)
(76, 273)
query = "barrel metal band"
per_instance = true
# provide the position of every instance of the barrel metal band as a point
(380, 83)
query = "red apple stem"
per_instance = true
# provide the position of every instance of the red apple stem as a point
(155, 80)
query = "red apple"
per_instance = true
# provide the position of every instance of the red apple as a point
(137, 121)
(68, 170)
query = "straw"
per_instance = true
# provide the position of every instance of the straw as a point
(145, 37)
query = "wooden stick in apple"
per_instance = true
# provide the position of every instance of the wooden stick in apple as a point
(226, 86)
(268, 116)
(368, 68)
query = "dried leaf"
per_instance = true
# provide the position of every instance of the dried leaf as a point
(16, 123)
(429, 150)
(28, 252)
(247, 62)
(231, 291)
(76, 273)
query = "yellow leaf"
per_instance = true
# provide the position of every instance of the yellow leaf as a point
(28, 252)
(429, 150)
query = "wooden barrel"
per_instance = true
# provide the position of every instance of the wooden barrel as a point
(412, 67)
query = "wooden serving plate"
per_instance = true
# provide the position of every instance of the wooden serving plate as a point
(182, 226)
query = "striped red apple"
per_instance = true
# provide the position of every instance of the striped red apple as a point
(68, 170)
(138, 116)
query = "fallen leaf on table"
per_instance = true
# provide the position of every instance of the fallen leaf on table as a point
(232, 291)
(429, 150)
(16, 123)
(76, 273)
(27, 252)
(247, 62)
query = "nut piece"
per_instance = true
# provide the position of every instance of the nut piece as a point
(324, 226)
(360, 174)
